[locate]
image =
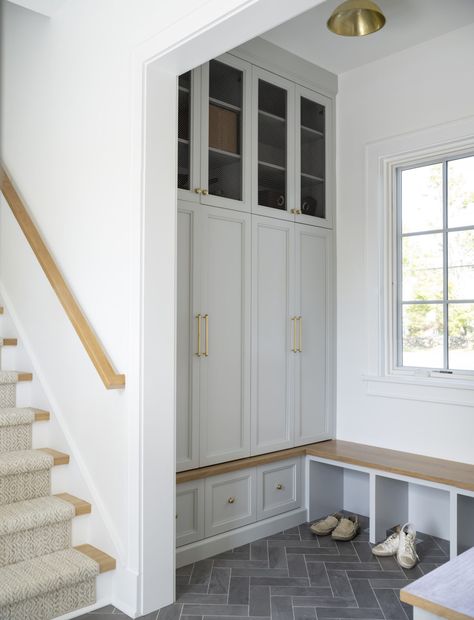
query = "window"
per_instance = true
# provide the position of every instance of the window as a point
(435, 266)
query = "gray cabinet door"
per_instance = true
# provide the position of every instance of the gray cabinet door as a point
(313, 372)
(187, 376)
(272, 334)
(225, 366)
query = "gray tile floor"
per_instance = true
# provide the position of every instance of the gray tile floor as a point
(295, 575)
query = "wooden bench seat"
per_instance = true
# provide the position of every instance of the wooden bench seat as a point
(442, 471)
(447, 591)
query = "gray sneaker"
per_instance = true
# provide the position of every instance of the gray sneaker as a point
(406, 554)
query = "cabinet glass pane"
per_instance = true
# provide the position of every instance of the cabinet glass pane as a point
(313, 160)
(225, 130)
(272, 132)
(184, 130)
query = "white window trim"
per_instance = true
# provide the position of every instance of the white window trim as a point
(382, 159)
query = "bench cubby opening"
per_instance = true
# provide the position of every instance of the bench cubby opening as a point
(465, 522)
(398, 501)
(333, 488)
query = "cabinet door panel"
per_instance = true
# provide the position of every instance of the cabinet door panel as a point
(313, 377)
(189, 135)
(225, 371)
(187, 404)
(225, 133)
(189, 512)
(313, 158)
(273, 101)
(272, 358)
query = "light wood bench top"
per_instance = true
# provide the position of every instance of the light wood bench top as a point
(451, 473)
(447, 591)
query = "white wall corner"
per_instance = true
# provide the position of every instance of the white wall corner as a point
(44, 7)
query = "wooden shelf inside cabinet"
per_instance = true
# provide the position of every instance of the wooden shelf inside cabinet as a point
(312, 177)
(309, 131)
(271, 117)
(224, 104)
(272, 166)
(183, 141)
(219, 158)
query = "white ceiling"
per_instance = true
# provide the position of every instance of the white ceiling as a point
(409, 22)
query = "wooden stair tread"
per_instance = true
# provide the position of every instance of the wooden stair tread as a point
(24, 376)
(451, 473)
(105, 561)
(80, 505)
(41, 416)
(10, 342)
(60, 458)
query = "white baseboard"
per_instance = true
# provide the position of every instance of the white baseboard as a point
(187, 554)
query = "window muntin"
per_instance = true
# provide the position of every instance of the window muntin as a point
(435, 266)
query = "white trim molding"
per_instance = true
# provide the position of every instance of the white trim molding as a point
(382, 159)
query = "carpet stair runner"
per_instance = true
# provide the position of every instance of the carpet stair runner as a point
(41, 575)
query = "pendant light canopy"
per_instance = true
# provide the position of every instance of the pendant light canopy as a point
(356, 18)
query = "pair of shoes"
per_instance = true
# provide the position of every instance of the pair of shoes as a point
(402, 544)
(339, 526)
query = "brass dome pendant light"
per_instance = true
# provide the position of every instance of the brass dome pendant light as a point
(356, 18)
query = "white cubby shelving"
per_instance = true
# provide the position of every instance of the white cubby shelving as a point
(389, 499)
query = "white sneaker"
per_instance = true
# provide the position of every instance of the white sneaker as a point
(406, 554)
(389, 546)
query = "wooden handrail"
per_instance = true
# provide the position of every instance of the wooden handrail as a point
(83, 329)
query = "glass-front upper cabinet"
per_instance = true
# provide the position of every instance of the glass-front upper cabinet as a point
(220, 172)
(313, 120)
(273, 151)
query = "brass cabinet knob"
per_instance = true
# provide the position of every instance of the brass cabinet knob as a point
(198, 190)
(231, 500)
(205, 192)
(279, 486)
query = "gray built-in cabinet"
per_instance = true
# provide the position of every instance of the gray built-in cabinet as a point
(255, 261)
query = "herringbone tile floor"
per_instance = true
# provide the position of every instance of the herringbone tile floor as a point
(295, 575)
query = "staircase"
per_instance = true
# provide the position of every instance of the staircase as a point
(41, 575)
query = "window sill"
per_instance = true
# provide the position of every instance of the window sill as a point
(445, 391)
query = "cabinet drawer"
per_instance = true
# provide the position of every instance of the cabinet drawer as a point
(279, 487)
(230, 501)
(189, 512)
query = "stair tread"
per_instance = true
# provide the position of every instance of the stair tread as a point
(14, 416)
(23, 461)
(46, 573)
(14, 376)
(34, 513)
(60, 458)
(9, 342)
(81, 507)
(106, 562)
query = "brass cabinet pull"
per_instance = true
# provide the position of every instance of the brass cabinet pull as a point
(205, 192)
(231, 500)
(199, 352)
(198, 190)
(294, 349)
(206, 321)
(279, 486)
(300, 341)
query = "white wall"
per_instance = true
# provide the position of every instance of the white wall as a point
(427, 85)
